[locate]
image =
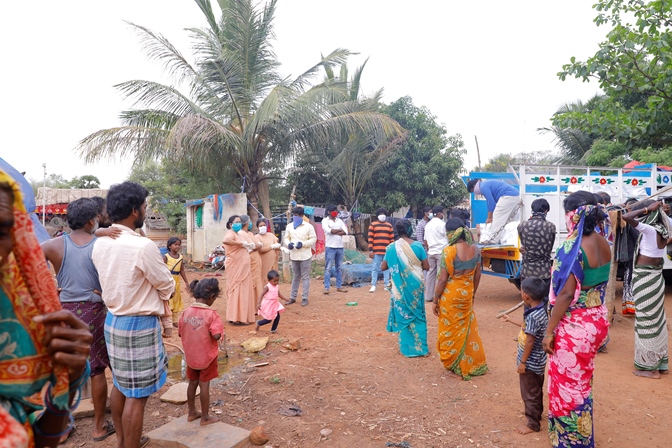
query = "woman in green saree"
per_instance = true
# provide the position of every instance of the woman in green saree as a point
(406, 259)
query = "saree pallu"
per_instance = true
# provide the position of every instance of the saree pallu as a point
(137, 355)
(27, 289)
(651, 351)
(458, 343)
(407, 305)
(579, 334)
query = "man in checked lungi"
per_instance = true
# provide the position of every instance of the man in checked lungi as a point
(136, 285)
(80, 292)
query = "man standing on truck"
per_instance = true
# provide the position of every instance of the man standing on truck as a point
(503, 202)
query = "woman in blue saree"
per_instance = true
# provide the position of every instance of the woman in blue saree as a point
(406, 259)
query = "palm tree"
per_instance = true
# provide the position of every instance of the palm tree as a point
(573, 143)
(238, 114)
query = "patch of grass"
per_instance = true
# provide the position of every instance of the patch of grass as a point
(275, 379)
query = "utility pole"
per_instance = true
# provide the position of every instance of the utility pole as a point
(478, 152)
(44, 194)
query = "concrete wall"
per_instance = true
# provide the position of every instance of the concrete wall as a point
(201, 240)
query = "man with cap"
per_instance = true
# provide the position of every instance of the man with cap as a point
(300, 238)
(334, 231)
(435, 241)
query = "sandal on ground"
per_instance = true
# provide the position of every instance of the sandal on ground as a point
(109, 430)
(144, 441)
(71, 432)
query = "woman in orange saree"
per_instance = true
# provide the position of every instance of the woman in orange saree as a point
(459, 344)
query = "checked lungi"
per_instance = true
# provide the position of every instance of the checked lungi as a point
(137, 355)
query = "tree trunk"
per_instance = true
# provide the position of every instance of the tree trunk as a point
(265, 200)
(360, 240)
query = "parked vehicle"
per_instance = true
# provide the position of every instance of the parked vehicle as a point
(554, 183)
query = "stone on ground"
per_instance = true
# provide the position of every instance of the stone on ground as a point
(180, 433)
(258, 436)
(177, 394)
(255, 344)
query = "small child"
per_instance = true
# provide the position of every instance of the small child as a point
(269, 302)
(531, 356)
(200, 329)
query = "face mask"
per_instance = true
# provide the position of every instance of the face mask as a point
(236, 227)
(381, 217)
(249, 226)
(297, 220)
(263, 230)
(334, 214)
(430, 215)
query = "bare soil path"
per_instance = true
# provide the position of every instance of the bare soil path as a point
(349, 379)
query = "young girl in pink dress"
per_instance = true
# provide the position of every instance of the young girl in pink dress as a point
(270, 306)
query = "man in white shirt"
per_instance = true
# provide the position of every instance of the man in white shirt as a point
(435, 241)
(136, 287)
(334, 230)
(300, 238)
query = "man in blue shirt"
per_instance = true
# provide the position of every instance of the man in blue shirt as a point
(503, 203)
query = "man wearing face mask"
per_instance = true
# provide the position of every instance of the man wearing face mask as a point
(420, 228)
(80, 292)
(436, 240)
(300, 238)
(334, 230)
(381, 235)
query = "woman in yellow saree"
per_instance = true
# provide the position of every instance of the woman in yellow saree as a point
(459, 344)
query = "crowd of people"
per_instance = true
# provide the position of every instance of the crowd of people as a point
(118, 297)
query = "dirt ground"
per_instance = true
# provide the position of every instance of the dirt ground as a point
(350, 380)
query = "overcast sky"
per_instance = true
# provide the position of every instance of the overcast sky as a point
(483, 68)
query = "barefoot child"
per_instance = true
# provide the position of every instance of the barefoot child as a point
(200, 328)
(269, 302)
(531, 356)
(175, 264)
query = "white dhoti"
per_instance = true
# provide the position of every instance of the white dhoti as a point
(507, 210)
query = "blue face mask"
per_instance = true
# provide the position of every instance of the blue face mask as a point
(236, 227)
(297, 220)
(249, 226)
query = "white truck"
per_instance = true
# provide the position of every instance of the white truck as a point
(554, 183)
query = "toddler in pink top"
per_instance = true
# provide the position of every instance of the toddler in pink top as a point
(200, 329)
(269, 302)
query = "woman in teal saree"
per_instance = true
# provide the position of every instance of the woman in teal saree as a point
(406, 259)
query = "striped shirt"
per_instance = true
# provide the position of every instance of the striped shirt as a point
(381, 235)
(534, 324)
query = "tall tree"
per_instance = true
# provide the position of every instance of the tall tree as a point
(424, 171)
(572, 142)
(633, 67)
(237, 113)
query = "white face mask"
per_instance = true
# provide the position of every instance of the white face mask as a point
(263, 230)
(381, 217)
(430, 215)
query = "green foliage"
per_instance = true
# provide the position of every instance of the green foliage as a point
(237, 113)
(171, 186)
(500, 163)
(85, 182)
(424, 170)
(572, 141)
(606, 153)
(662, 157)
(633, 67)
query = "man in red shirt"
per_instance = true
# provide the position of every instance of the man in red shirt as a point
(381, 235)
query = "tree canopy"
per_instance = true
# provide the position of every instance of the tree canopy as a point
(237, 113)
(633, 67)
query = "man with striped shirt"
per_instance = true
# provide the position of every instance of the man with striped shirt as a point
(381, 235)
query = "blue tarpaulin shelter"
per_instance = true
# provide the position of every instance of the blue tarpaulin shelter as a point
(28, 199)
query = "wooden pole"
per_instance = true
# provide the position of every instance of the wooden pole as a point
(478, 152)
(509, 311)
